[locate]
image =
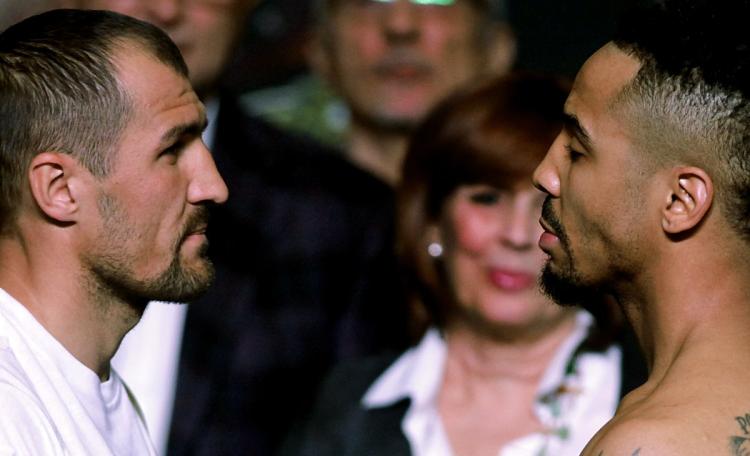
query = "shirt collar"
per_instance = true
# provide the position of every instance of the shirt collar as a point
(418, 373)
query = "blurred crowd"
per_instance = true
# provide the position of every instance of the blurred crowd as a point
(377, 260)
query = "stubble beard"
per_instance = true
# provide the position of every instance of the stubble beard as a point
(565, 288)
(564, 284)
(112, 271)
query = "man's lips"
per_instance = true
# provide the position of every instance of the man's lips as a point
(545, 225)
(548, 238)
(400, 67)
(402, 72)
(197, 232)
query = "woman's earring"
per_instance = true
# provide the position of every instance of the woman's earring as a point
(435, 250)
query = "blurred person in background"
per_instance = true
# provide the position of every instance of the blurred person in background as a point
(392, 60)
(501, 369)
(304, 270)
(13, 11)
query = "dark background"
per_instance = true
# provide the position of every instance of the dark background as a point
(553, 36)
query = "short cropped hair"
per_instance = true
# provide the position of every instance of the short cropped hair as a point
(59, 91)
(496, 133)
(688, 103)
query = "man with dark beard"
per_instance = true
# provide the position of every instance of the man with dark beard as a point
(104, 183)
(648, 189)
(565, 288)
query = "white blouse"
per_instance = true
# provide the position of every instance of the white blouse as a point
(570, 416)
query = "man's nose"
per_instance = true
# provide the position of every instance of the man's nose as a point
(400, 20)
(163, 12)
(546, 175)
(207, 184)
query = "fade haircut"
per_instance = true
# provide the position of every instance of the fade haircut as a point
(688, 103)
(59, 91)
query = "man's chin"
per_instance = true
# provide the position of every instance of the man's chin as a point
(566, 289)
(184, 283)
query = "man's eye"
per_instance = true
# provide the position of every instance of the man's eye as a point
(485, 197)
(171, 152)
(572, 153)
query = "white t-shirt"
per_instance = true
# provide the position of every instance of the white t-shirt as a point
(570, 419)
(51, 404)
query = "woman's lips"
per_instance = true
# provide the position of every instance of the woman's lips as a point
(510, 280)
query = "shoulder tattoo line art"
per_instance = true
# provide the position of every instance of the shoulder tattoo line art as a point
(738, 443)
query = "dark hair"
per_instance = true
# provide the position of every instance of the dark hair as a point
(495, 133)
(688, 104)
(59, 91)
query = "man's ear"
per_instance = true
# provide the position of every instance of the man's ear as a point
(53, 185)
(501, 48)
(690, 195)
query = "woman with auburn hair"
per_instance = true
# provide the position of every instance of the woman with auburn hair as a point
(500, 369)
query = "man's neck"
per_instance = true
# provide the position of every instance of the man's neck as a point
(89, 326)
(687, 308)
(381, 153)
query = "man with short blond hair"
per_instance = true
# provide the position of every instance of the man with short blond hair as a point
(304, 271)
(104, 189)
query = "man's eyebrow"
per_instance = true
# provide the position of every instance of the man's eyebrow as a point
(574, 127)
(193, 129)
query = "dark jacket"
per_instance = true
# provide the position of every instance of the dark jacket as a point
(305, 277)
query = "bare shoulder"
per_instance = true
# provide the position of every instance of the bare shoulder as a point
(682, 431)
(629, 437)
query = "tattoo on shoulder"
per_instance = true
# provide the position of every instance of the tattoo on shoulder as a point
(636, 452)
(739, 444)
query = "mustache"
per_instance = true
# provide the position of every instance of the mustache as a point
(197, 221)
(548, 215)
